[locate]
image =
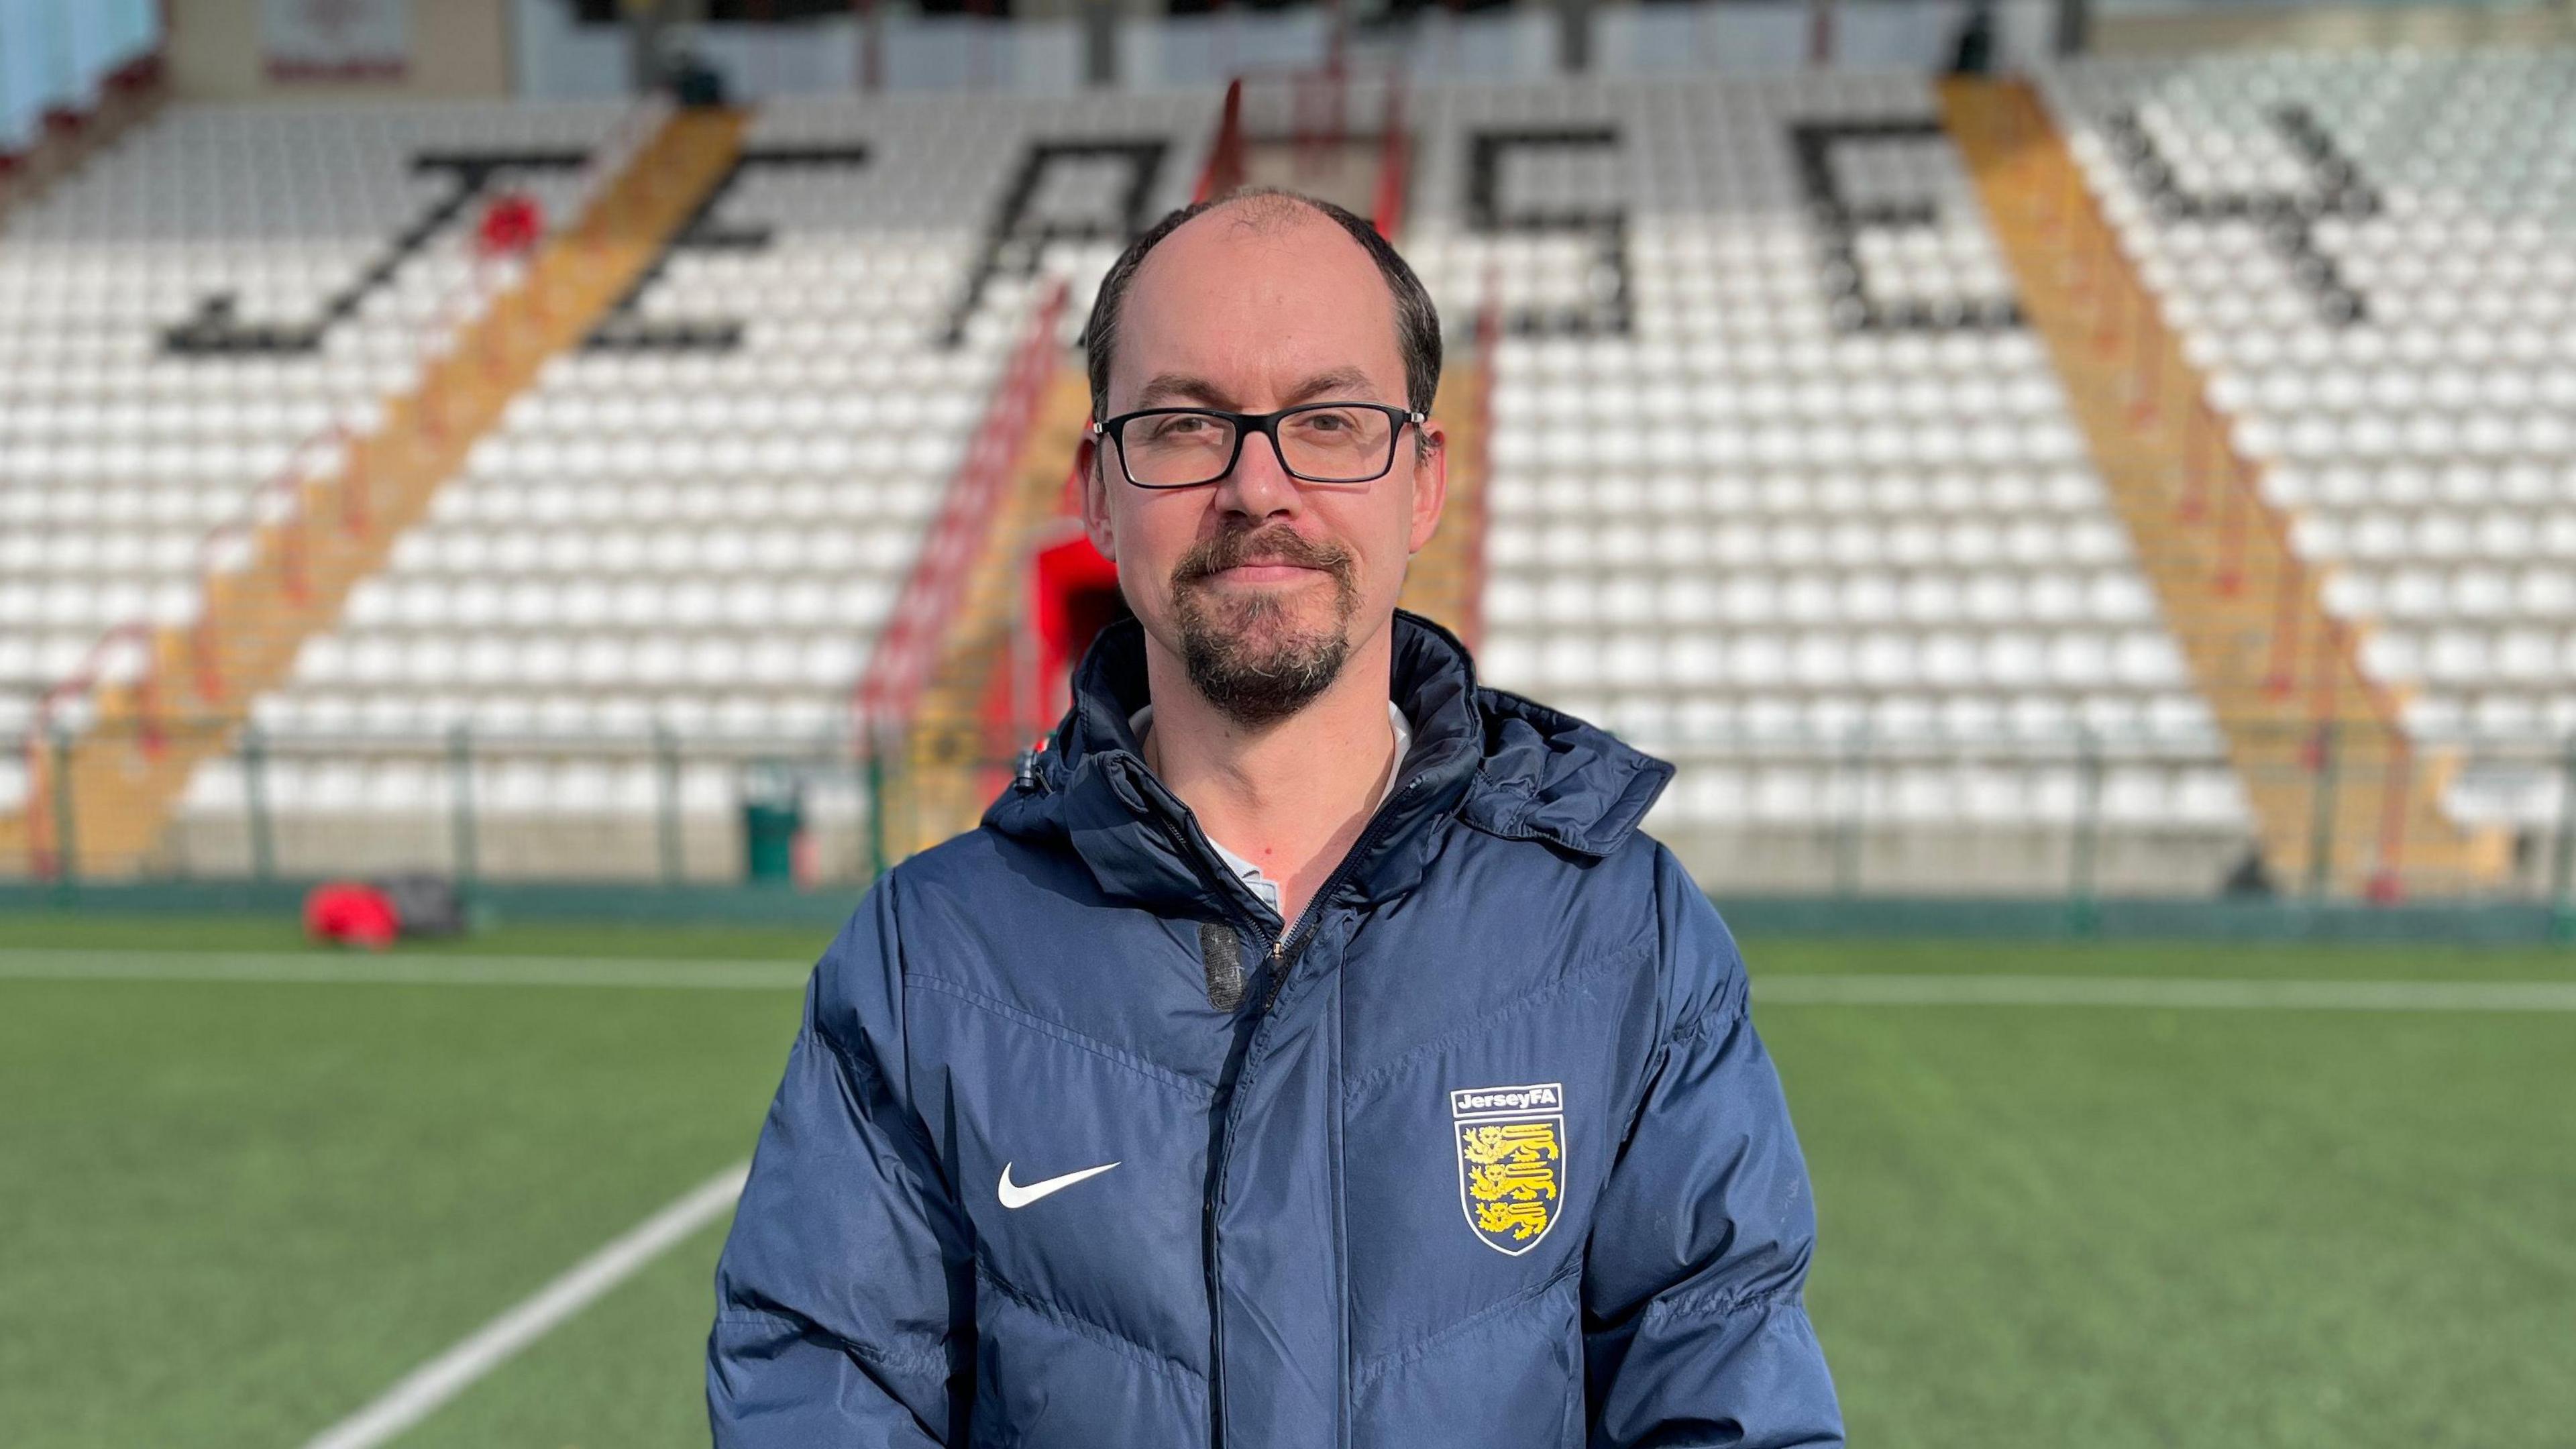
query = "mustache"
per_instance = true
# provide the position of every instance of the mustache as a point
(1276, 545)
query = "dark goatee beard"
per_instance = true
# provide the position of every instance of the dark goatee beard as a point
(1243, 654)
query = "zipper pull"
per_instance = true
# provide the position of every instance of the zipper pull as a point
(1278, 971)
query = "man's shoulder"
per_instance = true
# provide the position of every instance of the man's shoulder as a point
(967, 859)
(983, 876)
(1631, 865)
(1513, 894)
(1705, 977)
(1639, 901)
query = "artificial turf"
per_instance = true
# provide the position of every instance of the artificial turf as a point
(232, 1213)
(2117, 1228)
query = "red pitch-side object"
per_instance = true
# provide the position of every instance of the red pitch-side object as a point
(511, 224)
(351, 914)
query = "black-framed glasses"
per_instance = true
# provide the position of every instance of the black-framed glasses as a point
(1325, 442)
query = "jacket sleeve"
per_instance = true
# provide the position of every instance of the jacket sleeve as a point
(844, 1301)
(1695, 1328)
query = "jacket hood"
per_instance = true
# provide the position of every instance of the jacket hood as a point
(1489, 759)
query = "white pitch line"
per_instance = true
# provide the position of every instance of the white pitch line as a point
(424, 1389)
(1787, 988)
(2191, 993)
(398, 969)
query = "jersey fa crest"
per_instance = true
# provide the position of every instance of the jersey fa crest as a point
(1511, 1159)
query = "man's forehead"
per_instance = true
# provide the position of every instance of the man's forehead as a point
(1190, 389)
(1258, 221)
(1274, 291)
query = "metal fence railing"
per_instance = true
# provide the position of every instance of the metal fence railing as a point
(2072, 813)
(2262, 808)
(474, 803)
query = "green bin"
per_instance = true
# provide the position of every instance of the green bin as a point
(773, 815)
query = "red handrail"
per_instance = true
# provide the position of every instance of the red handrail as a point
(1395, 155)
(1223, 171)
(899, 667)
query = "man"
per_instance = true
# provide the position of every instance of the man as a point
(1307, 1050)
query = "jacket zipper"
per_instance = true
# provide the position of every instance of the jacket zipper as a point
(1281, 963)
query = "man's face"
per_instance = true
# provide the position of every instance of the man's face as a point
(1261, 584)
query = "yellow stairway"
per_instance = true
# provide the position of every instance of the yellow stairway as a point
(2341, 798)
(125, 773)
(1447, 576)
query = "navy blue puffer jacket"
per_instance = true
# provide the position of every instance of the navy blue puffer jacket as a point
(1487, 1153)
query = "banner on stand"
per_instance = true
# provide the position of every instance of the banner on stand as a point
(336, 40)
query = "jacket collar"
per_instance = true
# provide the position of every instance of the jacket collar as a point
(1495, 761)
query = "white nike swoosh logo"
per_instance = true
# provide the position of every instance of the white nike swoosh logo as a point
(1016, 1196)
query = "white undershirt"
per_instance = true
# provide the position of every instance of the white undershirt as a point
(1262, 885)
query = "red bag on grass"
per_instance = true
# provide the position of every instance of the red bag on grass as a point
(350, 913)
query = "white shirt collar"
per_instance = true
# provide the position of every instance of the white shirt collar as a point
(1262, 886)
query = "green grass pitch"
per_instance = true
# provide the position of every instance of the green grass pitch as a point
(231, 1213)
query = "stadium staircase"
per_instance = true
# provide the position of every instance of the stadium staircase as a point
(1447, 579)
(962, 741)
(924, 707)
(2342, 799)
(194, 685)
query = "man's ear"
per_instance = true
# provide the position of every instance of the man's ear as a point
(1430, 487)
(1094, 482)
